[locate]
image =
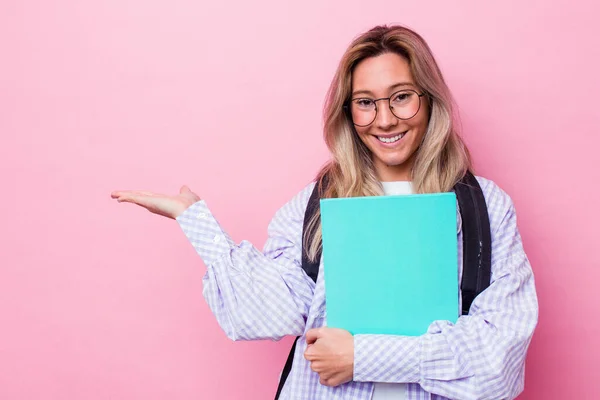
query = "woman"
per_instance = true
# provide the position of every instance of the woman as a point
(390, 128)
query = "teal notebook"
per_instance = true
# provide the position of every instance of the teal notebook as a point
(390, 262)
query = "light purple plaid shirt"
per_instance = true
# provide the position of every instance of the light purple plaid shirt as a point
(267, 295)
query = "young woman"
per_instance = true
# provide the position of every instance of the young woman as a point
(390, 128)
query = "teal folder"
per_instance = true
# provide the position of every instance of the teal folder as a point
(390, 262)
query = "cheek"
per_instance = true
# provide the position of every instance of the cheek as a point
(423, 127)
(363, 134)
(420, 126)
(423, 120)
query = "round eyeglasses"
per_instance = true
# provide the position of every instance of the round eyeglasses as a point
(404, 104)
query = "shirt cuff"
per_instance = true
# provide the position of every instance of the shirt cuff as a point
(387, 358)
(210, 241)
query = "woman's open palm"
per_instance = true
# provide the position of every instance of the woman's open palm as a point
(165, 205)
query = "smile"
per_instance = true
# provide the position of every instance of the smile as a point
(392, 139)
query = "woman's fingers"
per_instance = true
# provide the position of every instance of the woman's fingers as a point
(136, 199)
(143, 193)
(144, 199)
(155, 203)
(119, 193)
(168, 206)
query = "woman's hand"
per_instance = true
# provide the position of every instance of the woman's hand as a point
(331, 354)
(167, 206)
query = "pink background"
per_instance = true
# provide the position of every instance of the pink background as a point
(102, 300)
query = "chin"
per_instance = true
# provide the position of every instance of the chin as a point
(392, 161)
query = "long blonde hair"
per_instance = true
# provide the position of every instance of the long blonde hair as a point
(442, 158)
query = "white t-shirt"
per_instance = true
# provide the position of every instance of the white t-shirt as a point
(392, 391)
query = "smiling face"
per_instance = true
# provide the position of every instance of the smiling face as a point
(393, 142)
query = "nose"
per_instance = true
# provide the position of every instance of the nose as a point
(385, 118)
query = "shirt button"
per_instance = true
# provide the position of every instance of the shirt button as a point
(217, 239)
(202, 215)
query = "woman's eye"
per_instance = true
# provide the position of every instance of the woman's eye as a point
(401, 98)
(364, 103)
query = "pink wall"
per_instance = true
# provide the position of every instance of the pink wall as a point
(100, 300)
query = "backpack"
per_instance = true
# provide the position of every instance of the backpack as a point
(477, 248)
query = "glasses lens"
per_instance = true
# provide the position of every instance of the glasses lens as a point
(363, 111)
(405, 104)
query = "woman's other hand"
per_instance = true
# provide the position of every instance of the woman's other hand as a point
(331, 354)
(167, 206)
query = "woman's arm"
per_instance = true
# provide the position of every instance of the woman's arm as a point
(254, 294)
(482, 356)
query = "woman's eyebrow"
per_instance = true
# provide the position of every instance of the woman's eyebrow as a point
(394, 86)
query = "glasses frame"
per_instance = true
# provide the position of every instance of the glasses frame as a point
(389, 99)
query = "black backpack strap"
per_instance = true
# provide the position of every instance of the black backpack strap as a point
(312, 270)
(286, 369)
(477, 240)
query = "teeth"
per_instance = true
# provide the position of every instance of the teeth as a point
(390, 140)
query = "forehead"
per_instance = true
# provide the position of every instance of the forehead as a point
(377, 74)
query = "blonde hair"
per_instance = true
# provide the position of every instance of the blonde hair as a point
(442, 158)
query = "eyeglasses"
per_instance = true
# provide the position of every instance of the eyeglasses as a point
(404, 104)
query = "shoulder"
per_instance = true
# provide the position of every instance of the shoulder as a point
(293, 211)
(498, 202)
(298, 203)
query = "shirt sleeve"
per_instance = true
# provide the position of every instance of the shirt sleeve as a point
(254, 294)
(482, 356)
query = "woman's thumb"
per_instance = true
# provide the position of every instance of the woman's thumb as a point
(184, 189)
